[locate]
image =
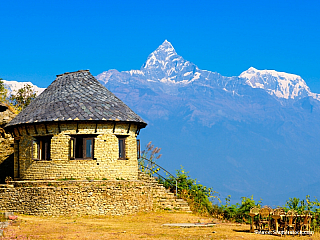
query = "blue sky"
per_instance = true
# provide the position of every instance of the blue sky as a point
(40, 39)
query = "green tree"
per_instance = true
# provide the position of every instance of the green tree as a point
(23, 97)
(237, 212)
(3, 92)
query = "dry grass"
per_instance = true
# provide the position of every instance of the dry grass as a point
(139, 226)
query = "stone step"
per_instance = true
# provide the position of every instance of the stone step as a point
(163, 197)
(182, 205)
(6, 186)
(168, 198)
(180, 200)
(185, 208)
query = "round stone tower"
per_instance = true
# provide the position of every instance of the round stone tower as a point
(76, 129)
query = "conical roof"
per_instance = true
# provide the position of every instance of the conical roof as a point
(76, 96)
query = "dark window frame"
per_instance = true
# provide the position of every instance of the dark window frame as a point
(78, 147)
(138, 149)
(122, 147)
(43, 148)
(85, 147)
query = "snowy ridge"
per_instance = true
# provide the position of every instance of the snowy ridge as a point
(164, 69)
(105, 76)
(280, 84)
(133, 72)
(14, 86)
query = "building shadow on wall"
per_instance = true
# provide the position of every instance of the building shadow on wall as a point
(7, 168)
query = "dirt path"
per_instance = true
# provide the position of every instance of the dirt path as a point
(139, 226)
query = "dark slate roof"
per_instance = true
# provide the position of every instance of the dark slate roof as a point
(76, 96)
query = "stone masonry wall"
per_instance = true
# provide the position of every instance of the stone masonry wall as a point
(116, 197)
(77, 198)
(105, 164)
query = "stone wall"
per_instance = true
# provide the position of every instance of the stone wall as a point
(77, 198)
(105, 164)
(6, 143)
(86, 197)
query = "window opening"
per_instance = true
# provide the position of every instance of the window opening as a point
(81, 147)
(122, 147)
(88, 144)
(138, 149)
(43, 145)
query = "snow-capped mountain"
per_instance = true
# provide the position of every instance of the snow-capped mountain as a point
(256, 133)
(166, 66)
(168, 72)
(163, 65)
(14, 86)
(280, 84)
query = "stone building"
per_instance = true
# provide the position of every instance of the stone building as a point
(79, 132)
(76, 129)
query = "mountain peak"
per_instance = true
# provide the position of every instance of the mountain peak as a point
(166, 66)
(162, 55)
(166, 47)
(166, 44)
(252, 69)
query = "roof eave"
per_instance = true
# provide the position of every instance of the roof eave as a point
(9, 128)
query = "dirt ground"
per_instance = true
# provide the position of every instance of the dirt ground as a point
(139, 226)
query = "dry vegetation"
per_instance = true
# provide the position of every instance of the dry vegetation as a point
(139, 226)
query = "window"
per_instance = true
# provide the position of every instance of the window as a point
(42, 148)
(81, 147)
(138, 149)
(88, 143)
(122, 147)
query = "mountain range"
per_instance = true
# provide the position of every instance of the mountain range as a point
(13, 86)
(253, 134)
